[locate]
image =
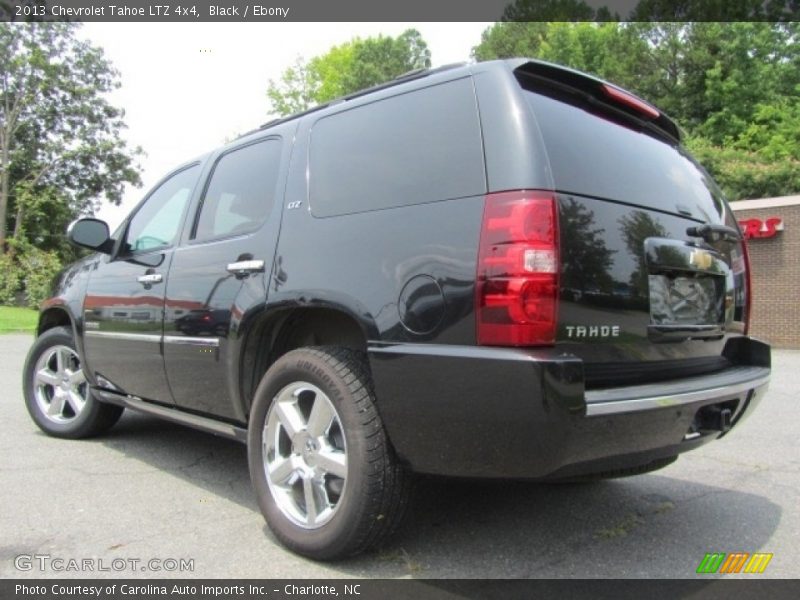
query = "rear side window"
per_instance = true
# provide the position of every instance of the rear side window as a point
(418, 147)
(594, 155)
(241, 191)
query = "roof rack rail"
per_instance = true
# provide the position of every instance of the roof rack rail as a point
(409, 76)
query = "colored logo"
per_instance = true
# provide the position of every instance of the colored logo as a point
(735, 562)
(756, 228)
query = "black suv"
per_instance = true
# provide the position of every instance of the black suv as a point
(506, 269)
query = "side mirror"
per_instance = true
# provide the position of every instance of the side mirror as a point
(90, 233)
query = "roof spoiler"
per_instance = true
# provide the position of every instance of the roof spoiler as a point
(597, 92)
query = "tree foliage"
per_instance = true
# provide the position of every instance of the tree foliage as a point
(734, 87)
(346, 68)
(60, 147)
(295, 91)
(61, 153)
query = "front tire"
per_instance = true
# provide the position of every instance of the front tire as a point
(325, 475)
(57, 395)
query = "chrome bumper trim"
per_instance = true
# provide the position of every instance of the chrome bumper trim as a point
(596, 405)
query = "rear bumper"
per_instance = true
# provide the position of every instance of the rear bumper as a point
(496, 412)
(718, 387)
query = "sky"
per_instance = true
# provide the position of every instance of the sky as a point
(189, 87)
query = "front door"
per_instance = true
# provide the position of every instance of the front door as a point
(219, 274)
(124, 303)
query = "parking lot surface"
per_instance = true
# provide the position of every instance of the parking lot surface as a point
(152, 490)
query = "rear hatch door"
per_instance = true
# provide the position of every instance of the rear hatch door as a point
(653, 272)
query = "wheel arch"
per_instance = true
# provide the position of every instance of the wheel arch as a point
(276, 331)
(56, 316)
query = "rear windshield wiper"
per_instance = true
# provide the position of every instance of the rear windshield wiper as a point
(714, 233)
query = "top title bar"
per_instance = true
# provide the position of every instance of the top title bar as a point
(407, 10)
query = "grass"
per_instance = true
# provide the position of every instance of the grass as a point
(15, 319)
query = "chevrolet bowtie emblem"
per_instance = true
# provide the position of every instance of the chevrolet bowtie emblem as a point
(700, 259)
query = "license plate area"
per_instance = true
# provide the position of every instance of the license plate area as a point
(686, 307)
(688, 290)
(686, 300)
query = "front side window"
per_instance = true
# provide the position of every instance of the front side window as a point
(241, 192)
(157, 223)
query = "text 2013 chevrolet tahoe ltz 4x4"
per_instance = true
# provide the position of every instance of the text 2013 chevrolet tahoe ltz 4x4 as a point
(507, 269)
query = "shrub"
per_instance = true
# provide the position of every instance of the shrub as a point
(10, 279)
(29, 270)
(39, 268)
(747, 174)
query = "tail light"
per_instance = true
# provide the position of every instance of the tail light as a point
(516, 289)
(627, 99)
(748, 287)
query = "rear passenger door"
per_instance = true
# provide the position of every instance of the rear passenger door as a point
(219, 273)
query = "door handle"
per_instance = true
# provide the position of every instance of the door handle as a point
(242, 268)
(150, 278)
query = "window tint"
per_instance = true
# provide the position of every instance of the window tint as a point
(592, 154)
(417, 147)
(241, 191)
(157, 223)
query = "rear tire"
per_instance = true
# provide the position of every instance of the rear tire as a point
(57, 395)
(335, 487)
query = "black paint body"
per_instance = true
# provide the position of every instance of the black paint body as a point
(403, 279)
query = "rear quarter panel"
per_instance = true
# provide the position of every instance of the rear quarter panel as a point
(360, 263)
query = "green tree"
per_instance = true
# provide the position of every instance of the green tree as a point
(330, 71)
(296, 90)
(346, 68)
(728, 69)
(380, 59)
(773, 130)
(743, 173)
(60, 147)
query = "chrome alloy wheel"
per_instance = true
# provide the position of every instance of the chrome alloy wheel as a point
(59, 384)
(305, 455)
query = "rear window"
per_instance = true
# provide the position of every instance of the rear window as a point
(417, 147)
(592, 154)
(241, 191)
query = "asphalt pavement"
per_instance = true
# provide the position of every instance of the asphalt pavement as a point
(155, 495)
